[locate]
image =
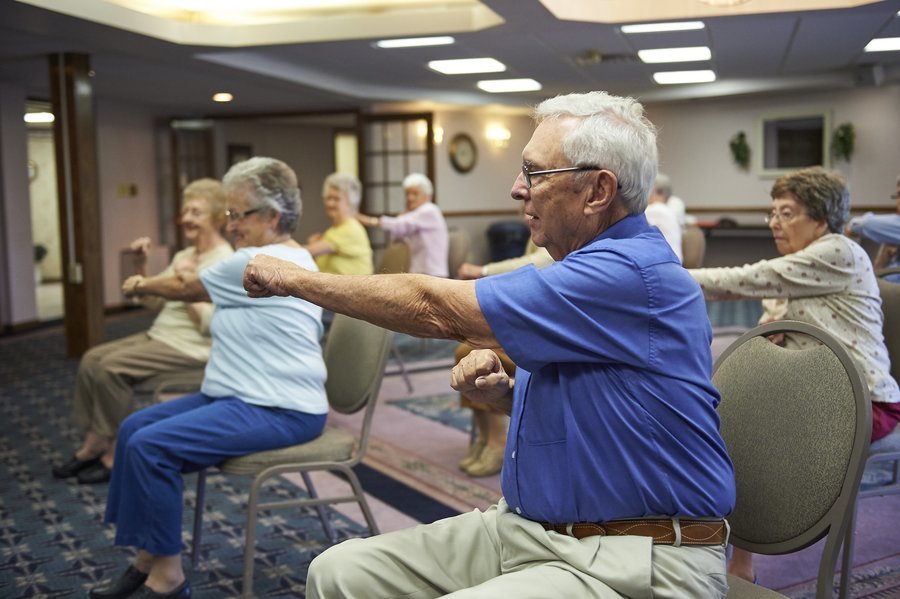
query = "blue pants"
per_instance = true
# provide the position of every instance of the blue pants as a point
(156, 445)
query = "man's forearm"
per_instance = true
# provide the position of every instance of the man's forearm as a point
(417, 305)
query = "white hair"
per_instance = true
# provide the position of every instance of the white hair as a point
(613, 133)
(346, 183)
(421, 182)
(272, 184)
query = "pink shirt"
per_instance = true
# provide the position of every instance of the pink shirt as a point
(425, 231)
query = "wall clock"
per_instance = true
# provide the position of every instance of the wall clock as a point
(463, 152)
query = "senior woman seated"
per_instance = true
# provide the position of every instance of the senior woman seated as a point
(344, 248)
(822, 278)
(264, 385)
(177, 341)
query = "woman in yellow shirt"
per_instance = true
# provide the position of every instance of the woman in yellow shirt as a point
(343, 249)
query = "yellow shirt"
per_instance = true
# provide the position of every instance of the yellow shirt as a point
(352, 251)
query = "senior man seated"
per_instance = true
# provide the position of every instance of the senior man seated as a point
(615, 479)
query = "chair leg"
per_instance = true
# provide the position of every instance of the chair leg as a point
(361, 500)
(198, 517)
(250, 537)
(847, 559)
(320, 509)
(395, 353)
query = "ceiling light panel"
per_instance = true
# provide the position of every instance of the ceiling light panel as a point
(464, 66)
(502, 86)
(883, 44)
(676, 77)
(661, 55)
(416, 42)
(657, 27)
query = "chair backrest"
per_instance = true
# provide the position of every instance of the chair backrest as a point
(693, 247)
(890, 306)
(458, 249)
(797, 425)
(395, 258)
(355, 355)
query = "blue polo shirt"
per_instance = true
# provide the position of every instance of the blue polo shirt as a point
(613, 411)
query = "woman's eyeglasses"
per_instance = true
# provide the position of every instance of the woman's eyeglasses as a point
(233, 215)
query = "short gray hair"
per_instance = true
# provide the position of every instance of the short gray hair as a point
(613, 133)
(421, 181)
(272, 184)
(822, 193)
(346, 183)
(664, 184)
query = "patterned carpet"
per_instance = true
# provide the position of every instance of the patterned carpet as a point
(53, 542)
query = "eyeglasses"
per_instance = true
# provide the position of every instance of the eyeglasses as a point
(233, 216)
(569, 169)
(782, 217)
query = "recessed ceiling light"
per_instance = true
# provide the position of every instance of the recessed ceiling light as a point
(883, 44)
(39, 117)
(673, 77)
(415, 42)
(222, 97)
(654, 27)
(502, 86)
(462, 66)
(659, 55)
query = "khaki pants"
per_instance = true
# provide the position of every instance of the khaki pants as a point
(104, 393)
(499, 554)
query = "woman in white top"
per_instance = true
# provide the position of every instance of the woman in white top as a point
(178, 340)
(822, 278)
(264, 385)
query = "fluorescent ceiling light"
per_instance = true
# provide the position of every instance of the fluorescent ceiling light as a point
(222, 97)
(883, 44)
(415, 42)
(462, 66)
(502, 86)
(674, 54)
(654, 27)
(39, 117)
(673, 77)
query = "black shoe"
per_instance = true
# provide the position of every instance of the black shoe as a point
(96, 474)
(122, 587)
(73, 467)
(145, 592)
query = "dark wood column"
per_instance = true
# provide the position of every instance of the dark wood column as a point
(79, 200)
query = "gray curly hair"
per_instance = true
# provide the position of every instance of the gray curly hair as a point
(822, 193)
(272, 184)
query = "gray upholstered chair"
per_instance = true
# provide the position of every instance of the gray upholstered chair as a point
(164, 383)
(886, 449)
(458, 242)
(395, 259)
(693, 247)
(355, 354)
(797, 425)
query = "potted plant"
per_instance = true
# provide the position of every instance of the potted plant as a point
(843, 141)
(740, 150)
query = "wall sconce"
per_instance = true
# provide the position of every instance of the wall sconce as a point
(497, 135)
(438, 135)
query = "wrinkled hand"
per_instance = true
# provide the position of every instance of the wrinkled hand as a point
(141, 245)
(480, 377)
(130, 286)
(266, 276)
(470, 271)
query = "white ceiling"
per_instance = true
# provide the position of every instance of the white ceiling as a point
(751, 53)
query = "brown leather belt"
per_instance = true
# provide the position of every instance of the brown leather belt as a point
(664, 531)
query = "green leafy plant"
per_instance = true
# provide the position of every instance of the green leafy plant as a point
(843, 141)
(740, 150)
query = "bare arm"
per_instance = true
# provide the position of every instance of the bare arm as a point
(317, 246)
(418, 305)
(186, 287)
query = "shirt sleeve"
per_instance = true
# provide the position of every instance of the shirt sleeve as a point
(819, 269)
(540, 258)
(224, 280)
(883, 228)
(570, 311)
(409, 223)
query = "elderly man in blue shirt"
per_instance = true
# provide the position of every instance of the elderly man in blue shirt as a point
(615, 479)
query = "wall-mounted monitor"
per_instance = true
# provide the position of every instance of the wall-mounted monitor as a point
(793, 141)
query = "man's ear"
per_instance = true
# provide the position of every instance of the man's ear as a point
(603, 192)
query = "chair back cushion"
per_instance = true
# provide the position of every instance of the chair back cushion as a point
(394, 259)
(796, 424)
(890, 305)
(693, 247)
(458, 249)
(355, 354)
